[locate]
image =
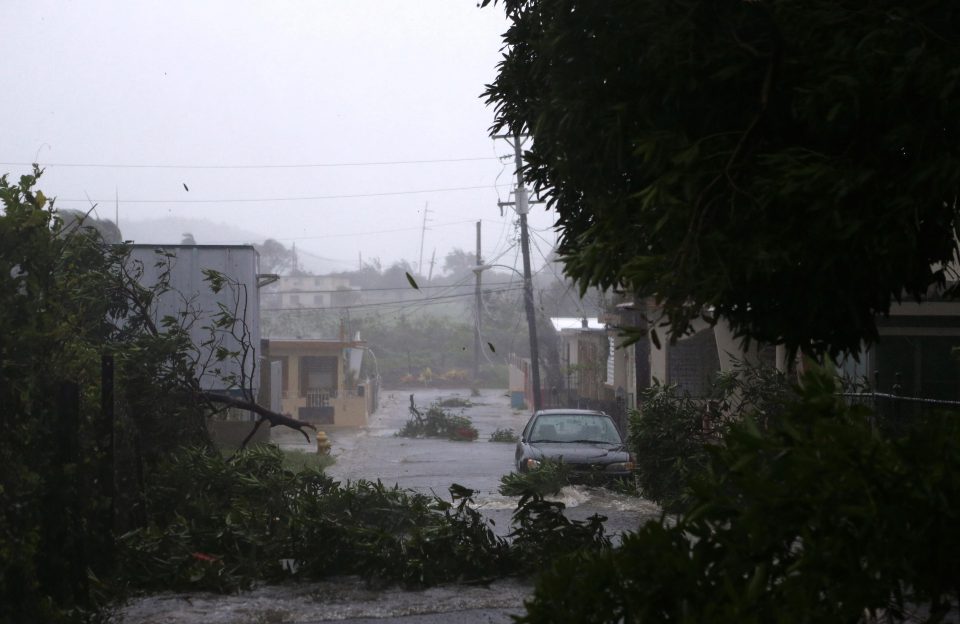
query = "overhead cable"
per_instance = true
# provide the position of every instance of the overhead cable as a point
(248, 166)
(233, 200)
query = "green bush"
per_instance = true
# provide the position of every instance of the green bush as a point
(667, 439)
(223, 524)
(814, 517)
(542, 534)
(504, 435)
(670, 435)
(546, 480)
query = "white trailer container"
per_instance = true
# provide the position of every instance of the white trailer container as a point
(191, 300)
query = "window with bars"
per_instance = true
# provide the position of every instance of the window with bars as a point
(318, 373)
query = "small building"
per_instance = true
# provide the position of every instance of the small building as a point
(584, 354)
(321, 381)
(308, 291)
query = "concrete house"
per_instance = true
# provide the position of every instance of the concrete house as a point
(307, 291)
(584, 353)
(320, 380)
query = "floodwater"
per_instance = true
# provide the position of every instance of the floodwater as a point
(427, 466)
(337, 600)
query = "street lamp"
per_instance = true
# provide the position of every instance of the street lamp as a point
(531, 327)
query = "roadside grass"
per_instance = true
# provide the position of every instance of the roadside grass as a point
(298, 461)
(294, 461)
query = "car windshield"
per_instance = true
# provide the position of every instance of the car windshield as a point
(588, 428)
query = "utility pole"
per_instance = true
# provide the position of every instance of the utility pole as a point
(433, 258)
(423, 232)
(521, 205)
(476, 324)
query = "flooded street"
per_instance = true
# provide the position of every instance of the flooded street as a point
(338, 600)
(427, 466)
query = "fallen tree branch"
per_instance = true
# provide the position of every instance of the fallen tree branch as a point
(274, 418)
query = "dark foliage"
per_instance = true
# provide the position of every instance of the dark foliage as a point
(671, 433)
(789, 166)
(222, 524)
(815, 517)
(542, 533)
(546, 480)
(68, 299)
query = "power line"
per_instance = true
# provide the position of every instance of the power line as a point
(415, 305)
(406, 302)
(234, 200)
(353, 234)
(382, 163)
(364, 290)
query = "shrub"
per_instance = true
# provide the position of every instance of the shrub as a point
(814, 517)
(671, 434)
(548, 479)
(667, 439)
(222, 524)
(504, 435)
(542, 533)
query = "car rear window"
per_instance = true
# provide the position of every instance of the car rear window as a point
(572, 427)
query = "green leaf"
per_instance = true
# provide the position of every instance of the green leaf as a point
(412, 281)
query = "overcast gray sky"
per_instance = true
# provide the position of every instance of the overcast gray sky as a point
(216, 85)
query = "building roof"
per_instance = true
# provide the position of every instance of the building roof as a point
(561, 323)
(316, 341)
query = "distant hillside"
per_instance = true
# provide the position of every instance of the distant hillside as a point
(170, 231)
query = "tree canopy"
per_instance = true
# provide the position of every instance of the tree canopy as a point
(789, 166)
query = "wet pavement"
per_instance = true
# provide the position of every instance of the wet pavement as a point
(427, 466)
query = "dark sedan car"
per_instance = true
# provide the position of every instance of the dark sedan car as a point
(585, 440)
